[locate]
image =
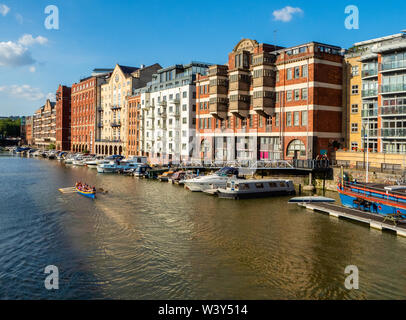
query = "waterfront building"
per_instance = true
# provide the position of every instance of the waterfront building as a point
(86, 99)
(23, 133)
(271, 103)
(134, 141)
(379, 126)
(28, 130)
(63, 118)
(113, 110)
(167, 114)
(44, 131)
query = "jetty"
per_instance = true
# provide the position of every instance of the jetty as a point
(381, 222)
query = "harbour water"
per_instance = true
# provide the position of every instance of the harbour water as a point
(150, 240)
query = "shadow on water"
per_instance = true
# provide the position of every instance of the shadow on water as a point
(151, 240)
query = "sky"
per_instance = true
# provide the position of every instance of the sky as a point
(34, 59)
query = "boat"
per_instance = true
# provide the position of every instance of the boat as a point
(165, 176)
(216, 180)
(141, 170)
(245, 189)
(115, 166)
(372, 197)
(94, 162)
(177, 176)
(311, 199)
(87, 193)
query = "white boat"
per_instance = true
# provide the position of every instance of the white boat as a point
(245, 189)
(94, 162)
(216, 180)
(115, 166)
(310, 199)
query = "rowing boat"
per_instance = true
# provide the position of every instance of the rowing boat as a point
(88, 194)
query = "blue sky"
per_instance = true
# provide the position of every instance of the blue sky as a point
(100, 33)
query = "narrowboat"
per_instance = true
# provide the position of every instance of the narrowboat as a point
(373, 197)
(245, 189)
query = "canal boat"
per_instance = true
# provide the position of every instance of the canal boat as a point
(245, 189)
(373, 197)
(216, 180)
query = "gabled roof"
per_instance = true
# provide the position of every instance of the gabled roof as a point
(127, 70)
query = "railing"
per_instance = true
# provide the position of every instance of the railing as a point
(311, 164)
(393, 110)
(369, 73)
(175, 101)
(115, 107)
(393, 88)
(401, 64)
(115, 123)
(369, 133)
(107, 140)
(369, 93)
(369, 113)
(394, 132)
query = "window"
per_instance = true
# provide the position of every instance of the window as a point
(297, 94)
(354, 127)
(304, 94)
(184, 95)
(184, 107)
(354, 108)
(277, 76)
(354, 71)
(259, 185)
(304, 71)
(296, 148)
(296, 118)
(184, 120)
(354, 146)
(277, 120)
(289, 74)
(304, 118)
(289, 95)
(297, 72)
(354, 89)
(288, 119)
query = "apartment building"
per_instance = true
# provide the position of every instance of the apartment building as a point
(29, 130)
(86, 99)
(134, 118)
(44, 122)
(167, 114)
(380, 125)
(112, 133)
(271, 103)
(63, 118)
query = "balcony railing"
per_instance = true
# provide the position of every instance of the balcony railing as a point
(162, 103)
(115, 123)
(107, 140)
(175, 101)
(393, 110)
(369, 93)
(115, 107)
(393, 88)
(401, 132)
(401, 64)
(369, 73)
(100, 125)
(369, 113)
(370, 133)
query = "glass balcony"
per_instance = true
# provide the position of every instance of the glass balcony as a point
(394, 132)
(369, 73)
(369, 93)
(393, 88)
(367, 113)
(393, 110)
(400, 64)
(371, 133)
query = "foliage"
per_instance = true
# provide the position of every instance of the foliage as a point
(51, 146)
(10, 127)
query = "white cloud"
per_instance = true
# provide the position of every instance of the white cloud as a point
(29, 40)
(32, 69)
(4, 9)
(14, 54)
(286, 14)
(26, 92)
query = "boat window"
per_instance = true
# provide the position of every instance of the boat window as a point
(244, 186)
(273, 184)
(259, 185)
(282, 184)
(228, 185)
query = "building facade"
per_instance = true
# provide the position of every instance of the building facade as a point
(271, 103)
(134, 118)
(381, 125)
(166, 120)
(112, 134)
(29, 130)
(63, 118)
(44, 130)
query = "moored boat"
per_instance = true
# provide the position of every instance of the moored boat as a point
(311, 199)
(218, 180)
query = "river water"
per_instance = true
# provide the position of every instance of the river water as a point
(150, 240)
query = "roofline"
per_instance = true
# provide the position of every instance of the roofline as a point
(393, 36)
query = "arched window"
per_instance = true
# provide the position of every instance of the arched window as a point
(298, 147)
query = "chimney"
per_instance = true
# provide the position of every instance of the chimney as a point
(142, 66)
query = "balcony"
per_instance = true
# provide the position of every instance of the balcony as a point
(218, 70)
(393, 133)
(109, 140)
(369, 73)
(392, 88)
(394, 65)
(372, 133)
(115, 123)
(115, 107)
(264, 105)
(99, 109)
(393, 110)
(220, 87)
(175, 101)
(162, 103)
(369, 93)
(174, 113)
(218, 107)
(263, 81)
(369, 113)
(100, 124)
(240, 106)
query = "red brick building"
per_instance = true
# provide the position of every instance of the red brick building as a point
(28, 130)
(134, 119)
(63, 118)
(271, 103)
(83, 122)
